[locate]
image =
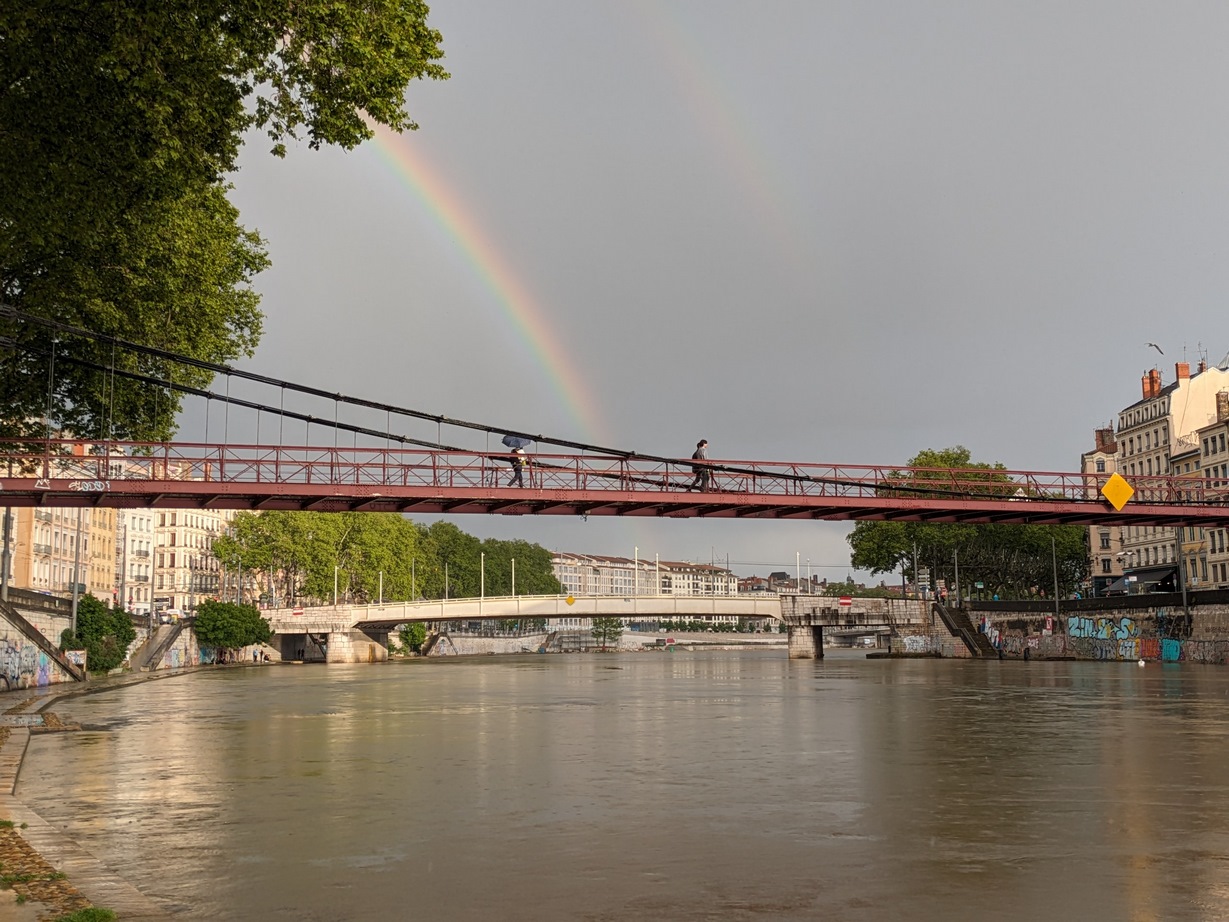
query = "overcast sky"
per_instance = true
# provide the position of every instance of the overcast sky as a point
(811, 231)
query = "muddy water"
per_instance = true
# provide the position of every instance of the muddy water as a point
(683, 786)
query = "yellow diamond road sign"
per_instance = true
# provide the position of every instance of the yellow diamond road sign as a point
(571, 600)
(1117, 491)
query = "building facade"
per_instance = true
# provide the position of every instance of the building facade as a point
(1163, 422)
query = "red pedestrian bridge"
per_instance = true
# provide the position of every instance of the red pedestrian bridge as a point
(72, 473)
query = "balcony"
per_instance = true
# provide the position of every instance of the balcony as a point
(42, 515)
(143, 555)
(42, 549)
(139, 579)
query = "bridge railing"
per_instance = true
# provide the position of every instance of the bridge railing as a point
(93, 466)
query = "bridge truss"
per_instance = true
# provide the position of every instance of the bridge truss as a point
(71, 473)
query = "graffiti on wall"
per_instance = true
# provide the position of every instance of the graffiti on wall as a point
(23, 665)
(1102, 628)
(919, 643)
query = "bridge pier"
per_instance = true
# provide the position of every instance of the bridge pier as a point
(356, 647)
(806, 641)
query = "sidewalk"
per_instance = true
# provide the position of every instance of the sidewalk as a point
(32, 846)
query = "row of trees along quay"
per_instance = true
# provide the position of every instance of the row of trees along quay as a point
(1010, 561)
(365, 557)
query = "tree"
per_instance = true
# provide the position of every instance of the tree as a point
(228, 626)
(104, 633)
(297, 552)
(120, 119)
(607, 630)
(413, 636)
(1014, 561)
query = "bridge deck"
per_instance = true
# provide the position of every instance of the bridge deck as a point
(128, 475)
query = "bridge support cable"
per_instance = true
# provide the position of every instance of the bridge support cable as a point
(12, 313)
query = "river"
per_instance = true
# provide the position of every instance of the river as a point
(659, 786)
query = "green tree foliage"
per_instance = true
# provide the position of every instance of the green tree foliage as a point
(1014, 561)
(298, 552)
(850, 588)
(228, 626)
(607, 630)
(104, 633)
(120, 119)
(413, 636)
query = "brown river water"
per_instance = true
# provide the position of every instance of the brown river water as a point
(685, 786)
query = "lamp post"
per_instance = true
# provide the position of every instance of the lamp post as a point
(8, 554)
(381, 587)
(514, 577)
(1054, 563)
(798, 570)
(636, 574)
(482, 574)
(76, 571)
(335, 569)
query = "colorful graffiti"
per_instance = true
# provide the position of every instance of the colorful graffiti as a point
(24, 665)
(1102, 628)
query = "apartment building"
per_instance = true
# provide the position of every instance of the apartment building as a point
(185, 569)
(1150, 431)
(1213, 443)
(596, 574)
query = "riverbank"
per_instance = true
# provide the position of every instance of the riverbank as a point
(45, 873)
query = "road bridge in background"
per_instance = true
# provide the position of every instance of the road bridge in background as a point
(328, 618)
(407, 480)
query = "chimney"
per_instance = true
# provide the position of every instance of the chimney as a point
(1146, 385)
(1222, 406)
(1182, 370)
(1105, 437)
(1203, 366)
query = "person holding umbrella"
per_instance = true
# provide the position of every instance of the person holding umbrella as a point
(517, 459)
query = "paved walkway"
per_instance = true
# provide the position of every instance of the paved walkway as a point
(86, 875)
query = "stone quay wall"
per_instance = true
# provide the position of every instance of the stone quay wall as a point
(1153, 628)
(25, 662)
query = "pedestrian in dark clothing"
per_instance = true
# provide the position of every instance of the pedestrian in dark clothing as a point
(700, 470)
(517, 460)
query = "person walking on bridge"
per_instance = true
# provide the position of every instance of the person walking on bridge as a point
(701, 469)
(517, 460)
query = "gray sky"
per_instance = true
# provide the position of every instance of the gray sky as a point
(814, 231)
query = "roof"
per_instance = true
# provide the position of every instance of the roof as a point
(1148, 579)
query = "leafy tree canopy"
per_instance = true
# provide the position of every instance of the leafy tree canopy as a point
(378, 552)
(104, 633)
(607, 630)
(1011, 560)
(120, 119)
(225, 625)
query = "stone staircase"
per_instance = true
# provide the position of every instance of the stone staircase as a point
(153, 651)
(958, 622)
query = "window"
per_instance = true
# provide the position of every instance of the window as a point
(1105, 540)
(1222, 441)
(1105, 565)
(1100, 465)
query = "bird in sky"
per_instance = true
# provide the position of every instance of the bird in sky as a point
(1156, 347)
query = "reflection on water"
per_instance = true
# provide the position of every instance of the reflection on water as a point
(684, 786)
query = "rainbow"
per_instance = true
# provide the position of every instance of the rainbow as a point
(520, 309)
